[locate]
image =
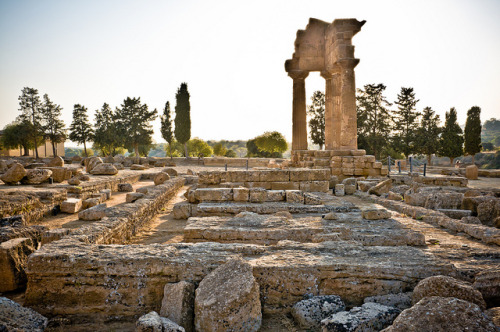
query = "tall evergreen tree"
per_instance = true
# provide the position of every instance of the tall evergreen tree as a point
(182, 117)
(451, 142)
(317, 122)
(405, 122)
(80, 130)
(53, 125)
(374, 119)
(30, 105)
(472, 133)
(166, 127)
(106, 138)
(134, 123)
(427, 135)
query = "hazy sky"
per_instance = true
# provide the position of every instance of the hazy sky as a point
(232, 53)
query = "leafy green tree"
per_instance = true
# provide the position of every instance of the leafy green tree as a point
(219, 149)
(133, 123)
(30, 105)
(80, 130)
(427, 135)
(198, 147)
(272, 142)
(106, 138)
(472, 133)
(230, 154)
(166, 127)
(451, 142)
(405, 122)
(18, 134)
(182, 117)
(374, 119)
(53, 126)
(317, 122)
(488, 146)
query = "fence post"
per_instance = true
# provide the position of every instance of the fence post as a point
(389, 164)
(411, 164)
(399, 166)
(226, 167)
(425, 168)
(247, 164)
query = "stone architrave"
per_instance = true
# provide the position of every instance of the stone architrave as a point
(326, 48)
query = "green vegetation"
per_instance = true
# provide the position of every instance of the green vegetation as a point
(405, 122)
(491, 133)
(472, 133)
(199, 148)
(106, 138)
(80, 130)
(317, 121)
(183, 117)
(53, 126)
(451, 142)
(427, 135)
(166, 127)
(30, 106)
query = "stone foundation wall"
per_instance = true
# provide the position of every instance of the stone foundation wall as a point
(453, 181)
(308, 180)
(87, 188)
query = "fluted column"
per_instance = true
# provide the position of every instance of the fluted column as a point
(349, 134)
(299, 120)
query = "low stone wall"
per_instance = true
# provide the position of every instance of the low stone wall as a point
(240, 162)
(304, 179)
(86, 188)
(443, 181)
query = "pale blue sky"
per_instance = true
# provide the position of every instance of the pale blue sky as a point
(231, 53)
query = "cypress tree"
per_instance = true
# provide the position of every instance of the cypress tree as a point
(317, 122)
(427, 135)
(472, 133)
(405, 122)
(80, 130)
(451, 143)
(166, 127)
(182, 117)
(106, 138)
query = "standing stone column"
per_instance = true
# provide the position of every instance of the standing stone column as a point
(299, 120)
(349, 134)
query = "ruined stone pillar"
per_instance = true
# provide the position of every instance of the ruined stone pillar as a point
(349, 134)
(299, 121)
(329, 131)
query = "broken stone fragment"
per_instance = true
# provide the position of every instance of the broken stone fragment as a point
(90, 202)
(138, 167)
(74, 181)
(381, 188)
(488, 283)
(182, 210)
(71, 205)
(178, 304)
(400, 301)
(56, 162)
(339, 189)
(160, 178)
(294, 196)
(170, 171)
(94, 213)
(228, 299)
(365, 185)
(13, 258)
(152, 322)
(310, 312)
(36, 176)
(104, 169)
(330, 216)
(132, 197)
(14, 174)
(125, 187)
(91, 162)
(14, 317)
(376, 214)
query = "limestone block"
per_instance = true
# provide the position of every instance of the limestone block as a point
(258, 195)
(348, 159)
(170, 171)
(314, 186)
(444, 286)
(178, 304)
(348, 171)
(71, 205)
(470, 220)
(434, 311)
(54, 234)
(284, 185)
(14, 317)
(90, 202)
(310, 312)
(60, 174)
(190, 172)
(36, 176)
(369, 317)
(333, 181)
(394, 196)
(400, 301)
(160, 178)
(91, 162)
(341, 152)
(101, 196)
(213, 194)
(14, 174)
(312, 199)
(241, 194)
(152, 322)
(132, 197)
(294, 196)
(487, 282)
(263, 185)
(137, 167)
(359, 171)
(13, 258)
(228, 299)
(309, 175)
(56, 162)
(182, 210)
(358, 152)
(415, 199)
(441, 200)
(94, 213)
(237, 176)
(336, 159)
(376, 214)
(370, 159)
(336, 171)
(119, 166)
(471, 172)
(106, 192)
(350, 189)
(84, 177)
(253, 176)
(377, 164)
(339, 189)
(74, 181)
(125, 187)
(455, 213)
(109, 160)
(275, 196)
(330, 216)
(365, 185)
(381, 188)
(104, 169)
(274, 176)
(384, 171)
(488, 210)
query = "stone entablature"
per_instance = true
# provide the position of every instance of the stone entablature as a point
(326, 48)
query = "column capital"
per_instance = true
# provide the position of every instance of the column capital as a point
(327, 75)
(298, 74)
(348, 63)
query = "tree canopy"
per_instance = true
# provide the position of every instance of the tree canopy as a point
(405, 122)
(80, 130)
(451, 142)
(272, 142)
(18, 134)
(317, 121)
(427, 135)
(106, 138)
(472, 132)
(53, 126)
(30, 105)
(198, 147)
(182, 116)
(166, 127)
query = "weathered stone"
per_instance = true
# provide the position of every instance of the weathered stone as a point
(137, 167)
(90, 202)
(471, 172)
(109, 160)
(94, 213)
(14, 174)
(71, 205)
(330, 216)
(74, 181)
(125, 187)
(381, 188)
(310, 312)
(376, 214)
(258, 195)
(442, 314)
(107, 192)
(213, 194)
(487, 282)
(160, 178)
(312, 199)
(104, 169)
(241, 194)
(494, 315)
(275, 195)
(339, 190)
(91, 162)
(16, 318)
(333, 181)
(444, 286)
(394, 196)
(178, 304)
(84, 177)
(400, 301)
(294, 196)
(414, 199)
(444, 201)
(56, 162)
(132, 197)
(471, 220)
(487, 211)
(349, 181)
(350, 189)
(152, 322)
(314, 186)
(170, 171)
(61, 174)
(285, 214)
(182, 210)
(36, 176)
(3, 166)
(370, 317)
(228, 299)
(119, 166)
(190, 172)
(365, 185)
(13, 257)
